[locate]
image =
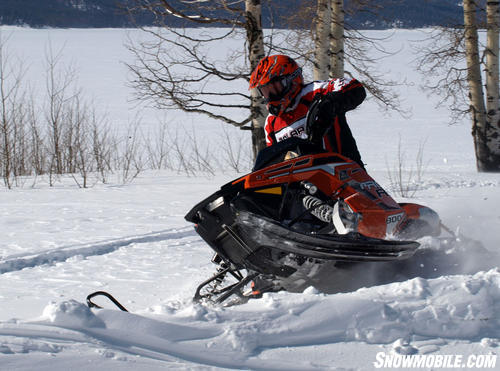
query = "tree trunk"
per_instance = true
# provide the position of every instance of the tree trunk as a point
(337, 39)
(492, 163)
(255, 39)
(477, 107)
(321, 47)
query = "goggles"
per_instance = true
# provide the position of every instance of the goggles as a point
(272, 91)
(276, 89)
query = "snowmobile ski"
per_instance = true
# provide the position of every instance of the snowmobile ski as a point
(91, 304)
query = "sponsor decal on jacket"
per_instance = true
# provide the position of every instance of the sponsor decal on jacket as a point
(297, 129)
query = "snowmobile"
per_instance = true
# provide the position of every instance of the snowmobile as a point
(298, 208)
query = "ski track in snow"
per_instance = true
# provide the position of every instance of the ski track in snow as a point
(20, 261)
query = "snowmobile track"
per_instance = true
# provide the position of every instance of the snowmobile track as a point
(20, 261)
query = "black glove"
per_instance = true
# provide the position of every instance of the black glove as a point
(322, 110)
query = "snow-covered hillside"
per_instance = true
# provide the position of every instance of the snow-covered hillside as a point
(61, 243)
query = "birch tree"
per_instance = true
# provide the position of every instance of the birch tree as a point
(321, 63)
(492, 87)
(337, 39)
(255, 39)
(474, 80)
(338, 50)
(457, 54)
(329, 40)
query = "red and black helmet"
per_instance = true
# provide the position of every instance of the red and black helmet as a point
(279, 79)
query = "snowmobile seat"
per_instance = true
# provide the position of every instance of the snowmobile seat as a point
(277, 152)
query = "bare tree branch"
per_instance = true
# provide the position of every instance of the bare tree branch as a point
(174, 69)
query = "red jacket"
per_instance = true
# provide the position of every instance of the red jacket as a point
(338, 138)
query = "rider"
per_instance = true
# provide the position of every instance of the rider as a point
(280, 82)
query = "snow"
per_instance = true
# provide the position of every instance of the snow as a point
(61, 243)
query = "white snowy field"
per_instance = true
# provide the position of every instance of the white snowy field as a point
(61, 243)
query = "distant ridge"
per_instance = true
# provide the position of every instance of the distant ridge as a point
(110, 13)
